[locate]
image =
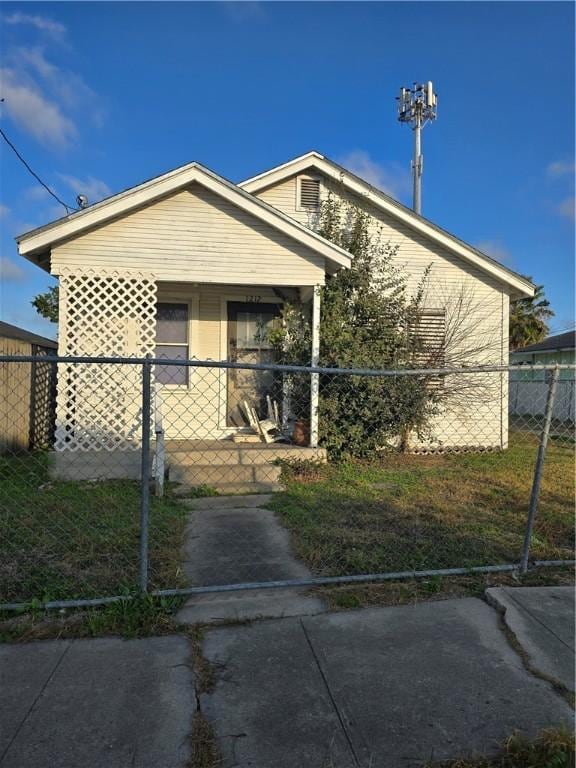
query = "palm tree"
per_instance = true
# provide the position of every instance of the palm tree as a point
(528, 319)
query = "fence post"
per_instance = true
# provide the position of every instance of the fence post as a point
(539, 467)
(144, 475)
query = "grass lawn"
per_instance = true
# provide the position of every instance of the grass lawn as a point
(426, 512)
(65, 540)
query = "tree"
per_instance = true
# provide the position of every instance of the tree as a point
(46, 304)
(368, 320)
(528, 319)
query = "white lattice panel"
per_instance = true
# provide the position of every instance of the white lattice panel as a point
(103, 314)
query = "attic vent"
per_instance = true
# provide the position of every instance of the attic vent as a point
(309, 193)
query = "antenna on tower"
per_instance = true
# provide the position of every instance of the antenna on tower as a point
(417, 106)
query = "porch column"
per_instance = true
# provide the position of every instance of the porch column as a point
(314, 377)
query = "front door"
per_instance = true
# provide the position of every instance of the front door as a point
(248, 326)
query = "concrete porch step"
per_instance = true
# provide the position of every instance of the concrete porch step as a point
(219, 452)
(231, 490)
(217, 475)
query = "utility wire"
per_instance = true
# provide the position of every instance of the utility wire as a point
(67, 208)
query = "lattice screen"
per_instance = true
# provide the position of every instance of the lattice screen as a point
(104, 314)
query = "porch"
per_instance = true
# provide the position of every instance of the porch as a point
(202, 412)
(229, 323)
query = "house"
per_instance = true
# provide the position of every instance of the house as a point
(528, 388)
(189, 264)
(27, 390)
(554, 349)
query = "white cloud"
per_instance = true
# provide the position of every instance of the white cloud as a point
(51, 27)
(34, 112)
(4, 211)
(36, 193)
(566, 208)
(561, 168)
(94, 189)
(393, 179)
(44, 99)
(10, 271)
(496, 250)
(68, 87)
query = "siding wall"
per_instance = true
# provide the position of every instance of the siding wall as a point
(192, 236)
(479, 328)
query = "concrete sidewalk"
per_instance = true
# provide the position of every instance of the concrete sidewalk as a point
(95, 703)
(390, 687)
(542, 621)
(373, 688)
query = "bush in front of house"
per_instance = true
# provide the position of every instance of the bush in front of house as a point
(368, 320)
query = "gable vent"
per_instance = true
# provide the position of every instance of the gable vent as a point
(310, 193)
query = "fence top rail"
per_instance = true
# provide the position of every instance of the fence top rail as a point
(225, 364)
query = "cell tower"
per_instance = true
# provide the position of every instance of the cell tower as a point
(417, 106)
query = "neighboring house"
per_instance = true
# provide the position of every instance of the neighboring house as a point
(189, 265)
(27, 391)
(555, 349)
(528, 388)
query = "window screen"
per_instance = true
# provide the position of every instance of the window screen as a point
(172, 342)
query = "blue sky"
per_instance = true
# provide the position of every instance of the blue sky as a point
(99, 97)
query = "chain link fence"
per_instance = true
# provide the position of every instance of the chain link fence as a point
(360, 474)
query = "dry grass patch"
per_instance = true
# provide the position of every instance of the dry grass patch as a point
(412, 591)
(553, 748)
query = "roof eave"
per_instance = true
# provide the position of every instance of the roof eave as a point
(519, 286)
(40, 240)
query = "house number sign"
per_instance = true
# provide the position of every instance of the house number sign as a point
(253, 299)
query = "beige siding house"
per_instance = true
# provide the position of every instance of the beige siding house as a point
(188, 264)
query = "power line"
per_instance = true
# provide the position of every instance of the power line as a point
(556, 331)
(67, 208)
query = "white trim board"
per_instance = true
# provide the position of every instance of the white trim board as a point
(314, 161)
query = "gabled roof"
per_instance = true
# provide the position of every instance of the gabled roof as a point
(353, 183)
(35, 245)
(8, 331)
(562, 341)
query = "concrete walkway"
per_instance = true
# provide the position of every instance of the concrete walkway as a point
(542, 620)
(95, 703)
(383, 687)
(234, 540)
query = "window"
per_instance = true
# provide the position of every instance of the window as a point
(172, 342)
(252, 330)
(308, 193)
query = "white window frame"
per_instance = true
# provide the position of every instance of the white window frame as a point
(309, 177)
(192, 303)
